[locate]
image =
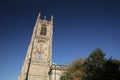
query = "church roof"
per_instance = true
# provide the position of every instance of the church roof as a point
(59, 67)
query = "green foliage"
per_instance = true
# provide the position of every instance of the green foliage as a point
(66, 76)
(97, 57)
(95, 67)
(111, 70)
(74, 71)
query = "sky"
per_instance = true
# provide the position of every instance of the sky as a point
(80, 26)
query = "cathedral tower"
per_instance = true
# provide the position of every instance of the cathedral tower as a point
(39, 55)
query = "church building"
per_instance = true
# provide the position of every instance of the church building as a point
(38, 61)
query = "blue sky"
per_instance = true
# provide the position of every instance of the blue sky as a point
(79, 28)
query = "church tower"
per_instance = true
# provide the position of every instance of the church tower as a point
(38, 60)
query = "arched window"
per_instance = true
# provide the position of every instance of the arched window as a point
(43, 30)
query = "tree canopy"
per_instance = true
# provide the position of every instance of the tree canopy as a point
(94, 67)
(74, 71)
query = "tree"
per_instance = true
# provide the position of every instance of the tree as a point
(74, 71)
(111, 69)
(93, 65)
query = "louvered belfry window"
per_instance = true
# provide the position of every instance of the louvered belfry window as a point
(43, 30)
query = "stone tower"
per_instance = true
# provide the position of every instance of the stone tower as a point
(38, 60)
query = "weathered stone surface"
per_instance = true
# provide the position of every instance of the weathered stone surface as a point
(38, 60)
(39, 55)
